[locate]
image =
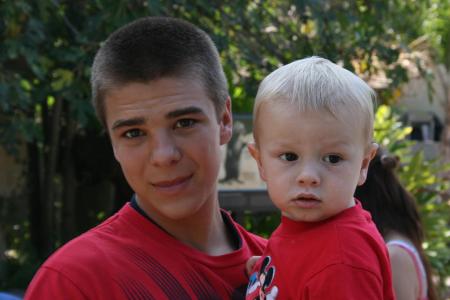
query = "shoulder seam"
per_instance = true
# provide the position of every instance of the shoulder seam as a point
(347, 265)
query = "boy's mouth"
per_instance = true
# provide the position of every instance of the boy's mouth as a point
(172, 182)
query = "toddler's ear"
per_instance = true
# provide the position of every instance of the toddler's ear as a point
(254, 152)
(370, 153)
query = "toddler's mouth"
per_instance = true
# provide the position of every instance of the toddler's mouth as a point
(307, 196)
(306, 201)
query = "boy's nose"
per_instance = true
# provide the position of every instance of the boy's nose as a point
(164, 151)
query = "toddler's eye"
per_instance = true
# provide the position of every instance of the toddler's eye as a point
(332, 158)
(133, 133)
(289, 156)
(185, 123)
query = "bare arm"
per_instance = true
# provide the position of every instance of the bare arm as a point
(404, 276)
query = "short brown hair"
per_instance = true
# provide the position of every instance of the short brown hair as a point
(152, 48)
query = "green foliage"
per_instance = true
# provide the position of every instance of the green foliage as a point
(262, 224)
(425, 181)
(47, 47)
(260, 37)
(20, 262)
(389, 132)
(437, 28)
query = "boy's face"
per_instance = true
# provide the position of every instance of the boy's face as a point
(311, 161)
(166, 136)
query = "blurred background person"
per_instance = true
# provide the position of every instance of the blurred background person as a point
(395, 213)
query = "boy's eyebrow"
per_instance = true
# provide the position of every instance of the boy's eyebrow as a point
(128, 123)
(184, 111)
(170, 115)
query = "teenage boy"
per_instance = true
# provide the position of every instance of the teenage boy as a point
(160, 91)
(313, 127)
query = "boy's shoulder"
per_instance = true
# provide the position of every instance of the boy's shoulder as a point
(129, 247)
(86, 249)
(123, 235)
(104, 243)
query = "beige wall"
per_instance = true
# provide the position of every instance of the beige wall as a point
(414, 96)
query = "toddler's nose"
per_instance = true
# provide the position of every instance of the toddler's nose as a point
(308, 176)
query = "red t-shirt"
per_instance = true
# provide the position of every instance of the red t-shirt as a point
(343, 257)
(129, 257)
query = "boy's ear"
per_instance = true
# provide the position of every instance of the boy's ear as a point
(226, 123)
(115, 153)
(254, 152)
(370, 153)
(113, 148)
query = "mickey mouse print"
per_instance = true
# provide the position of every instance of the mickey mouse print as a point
(260, 285)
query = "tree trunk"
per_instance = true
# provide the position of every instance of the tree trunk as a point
(48, 191)
(68, 221)
(34, 198)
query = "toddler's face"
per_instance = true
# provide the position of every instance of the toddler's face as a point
(311, 161)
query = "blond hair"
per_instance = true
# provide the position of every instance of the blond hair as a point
(316, 84)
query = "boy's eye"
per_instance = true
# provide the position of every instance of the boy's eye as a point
(289, 156)
(133, 133)
(332, 158)
(185, 123)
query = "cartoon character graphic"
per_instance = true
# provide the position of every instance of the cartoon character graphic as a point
(261, 281)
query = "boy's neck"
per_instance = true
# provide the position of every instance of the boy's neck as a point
(205, 230)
